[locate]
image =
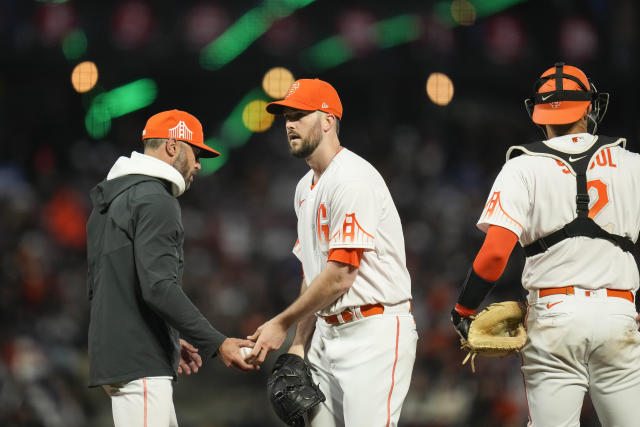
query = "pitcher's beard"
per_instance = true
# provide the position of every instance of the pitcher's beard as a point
(308, 145)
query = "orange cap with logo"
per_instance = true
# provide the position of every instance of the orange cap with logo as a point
(309, 95)
(179, 125)
(563, 95)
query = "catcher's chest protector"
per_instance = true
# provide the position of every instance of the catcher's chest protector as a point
(577, 163)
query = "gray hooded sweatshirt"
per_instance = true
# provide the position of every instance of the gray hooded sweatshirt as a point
(135, 264)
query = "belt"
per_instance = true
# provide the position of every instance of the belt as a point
(348, 316)
(569, 290)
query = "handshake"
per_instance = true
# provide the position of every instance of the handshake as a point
(242, 354)
(290, 387)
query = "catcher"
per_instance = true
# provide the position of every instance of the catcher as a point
(572, 202)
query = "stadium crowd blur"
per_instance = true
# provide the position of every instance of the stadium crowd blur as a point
(439, 162)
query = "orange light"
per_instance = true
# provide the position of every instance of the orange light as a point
(84, 76)
(276, 82)
(439, 89)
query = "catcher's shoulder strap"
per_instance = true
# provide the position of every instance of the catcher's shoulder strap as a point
(577, 163)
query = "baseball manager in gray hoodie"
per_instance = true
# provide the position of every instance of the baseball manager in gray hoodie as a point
(143, 329)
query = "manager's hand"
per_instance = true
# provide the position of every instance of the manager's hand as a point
(230, 355)
(190, 360)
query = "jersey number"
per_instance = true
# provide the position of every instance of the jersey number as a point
(603, 196)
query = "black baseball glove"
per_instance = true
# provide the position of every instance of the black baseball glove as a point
(291, 389)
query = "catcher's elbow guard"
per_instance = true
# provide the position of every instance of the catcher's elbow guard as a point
(474, 290)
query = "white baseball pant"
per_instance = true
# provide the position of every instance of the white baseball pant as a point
(587, 342)
(364, 368)
(145, 402)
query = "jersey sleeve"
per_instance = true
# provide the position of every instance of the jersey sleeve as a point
(509, 203)
(354, 215)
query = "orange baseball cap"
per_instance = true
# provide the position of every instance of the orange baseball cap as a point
(310, 95)
(563, 97)
(178, 125)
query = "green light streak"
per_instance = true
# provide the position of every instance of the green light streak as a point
(233, 133)
(398, 30)
(98, 121)
(209, 166)
(489, 7)
(297, 4)
(130, 97)
(118, 102)
(237, 38)
(74, 45)
(233, 130)
(442, 11)
(328, 53)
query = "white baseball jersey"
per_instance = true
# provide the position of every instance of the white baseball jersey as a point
(535, 195)
(350, 207)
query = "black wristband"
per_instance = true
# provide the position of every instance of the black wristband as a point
(474, 290)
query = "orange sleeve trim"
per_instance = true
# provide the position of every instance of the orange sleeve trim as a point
(494, 254)
(463, 311)
(351, 256)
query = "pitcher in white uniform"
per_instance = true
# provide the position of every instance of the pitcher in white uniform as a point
(572, 201)
(353, 315)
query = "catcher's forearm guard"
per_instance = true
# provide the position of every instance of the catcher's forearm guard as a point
(474, 290)
(291, 389)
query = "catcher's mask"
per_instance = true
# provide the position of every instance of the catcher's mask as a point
(562, 94)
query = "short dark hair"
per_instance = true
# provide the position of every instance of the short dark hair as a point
(153, 143)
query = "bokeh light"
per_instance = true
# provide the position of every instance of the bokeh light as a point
(356, 27)
(578, 40)
(132, 24)
(203, 23)
(255, 116)
(439, 88)
(74, 44)
(276, 82)
(84, 76)
(463, 12)
(505, 40)
(118, 102)
(54, 21)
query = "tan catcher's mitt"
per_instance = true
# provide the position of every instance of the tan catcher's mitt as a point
(496, 331)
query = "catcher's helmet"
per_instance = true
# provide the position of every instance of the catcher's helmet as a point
(562, 94)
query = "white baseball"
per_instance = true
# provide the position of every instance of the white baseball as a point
(245, 352)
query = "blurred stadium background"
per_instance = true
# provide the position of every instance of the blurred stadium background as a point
(433, 96)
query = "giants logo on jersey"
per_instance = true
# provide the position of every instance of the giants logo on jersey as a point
(352, 231)
(494, 208)
(322, 223)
